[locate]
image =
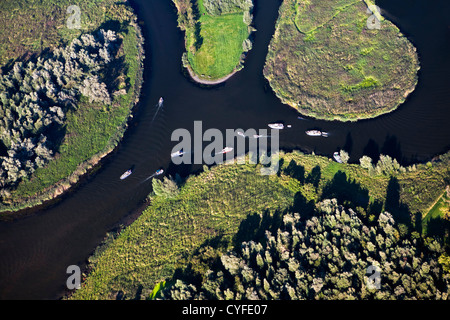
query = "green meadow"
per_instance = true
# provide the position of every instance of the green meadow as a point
(214, 43)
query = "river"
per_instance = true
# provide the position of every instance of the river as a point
(36, 249)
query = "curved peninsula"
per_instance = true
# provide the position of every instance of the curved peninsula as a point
(216, 37)
(335, 60)
(64, 103)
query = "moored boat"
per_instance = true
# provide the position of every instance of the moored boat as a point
(277, 126)
(337, 157)
(316, 133)
(126, 174)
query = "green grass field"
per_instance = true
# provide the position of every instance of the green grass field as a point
(210, 206)
(436, 214)
(216, 50)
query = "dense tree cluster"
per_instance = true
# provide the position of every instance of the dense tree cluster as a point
(385, 165)
(35, 96)
(330, 255)
(218, 7)
(167, 187)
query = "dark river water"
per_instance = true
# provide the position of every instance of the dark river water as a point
(35, 250)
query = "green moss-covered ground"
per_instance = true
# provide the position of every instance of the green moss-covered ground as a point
(325, 62)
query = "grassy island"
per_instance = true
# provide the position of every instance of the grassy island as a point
(67, 89)
(216, 36)
(327, 60)
(190, 226)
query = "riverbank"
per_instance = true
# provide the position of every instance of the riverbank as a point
(225, 204)
(215, 41)
(91, 131)
(327, 62)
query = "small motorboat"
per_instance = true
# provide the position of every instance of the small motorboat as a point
(256, 136)
(126, 174)
(159, 172)
(241, 134)
(177, 154)
(277, 126)
(226, 150)
(337, 157)
(161, 100)
(316, 133)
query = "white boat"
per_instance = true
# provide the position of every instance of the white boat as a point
(126, 174)
(161, 100)
(159, 172)
(241, 134)
(226, 150)
(177, 154)
(337, 157)
(256, 136)
(316, 133)
(277, 126)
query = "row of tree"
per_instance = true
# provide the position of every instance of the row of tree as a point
(35, 96)
(329, 255)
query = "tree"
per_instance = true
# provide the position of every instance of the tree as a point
(166, 188)
(326, 257)
(344, 156)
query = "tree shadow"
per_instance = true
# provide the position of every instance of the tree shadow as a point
(197, 27)
(314, 177)
(296, 171)
(393, 204)
(348, 146)
(254, 227)
(347, 192)
(302, 206)
(372, 150)
(436, 227)
(391, 147)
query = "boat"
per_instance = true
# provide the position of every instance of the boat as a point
(159, 172)
(256, 136)
(316, 133)
(177, 154)
(126, 174)
(337, 157)
(241, 134)
(226, 149)
(277, 126)
(161, 100)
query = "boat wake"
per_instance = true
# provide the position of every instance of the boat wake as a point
(158, 106)
(157, 173)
